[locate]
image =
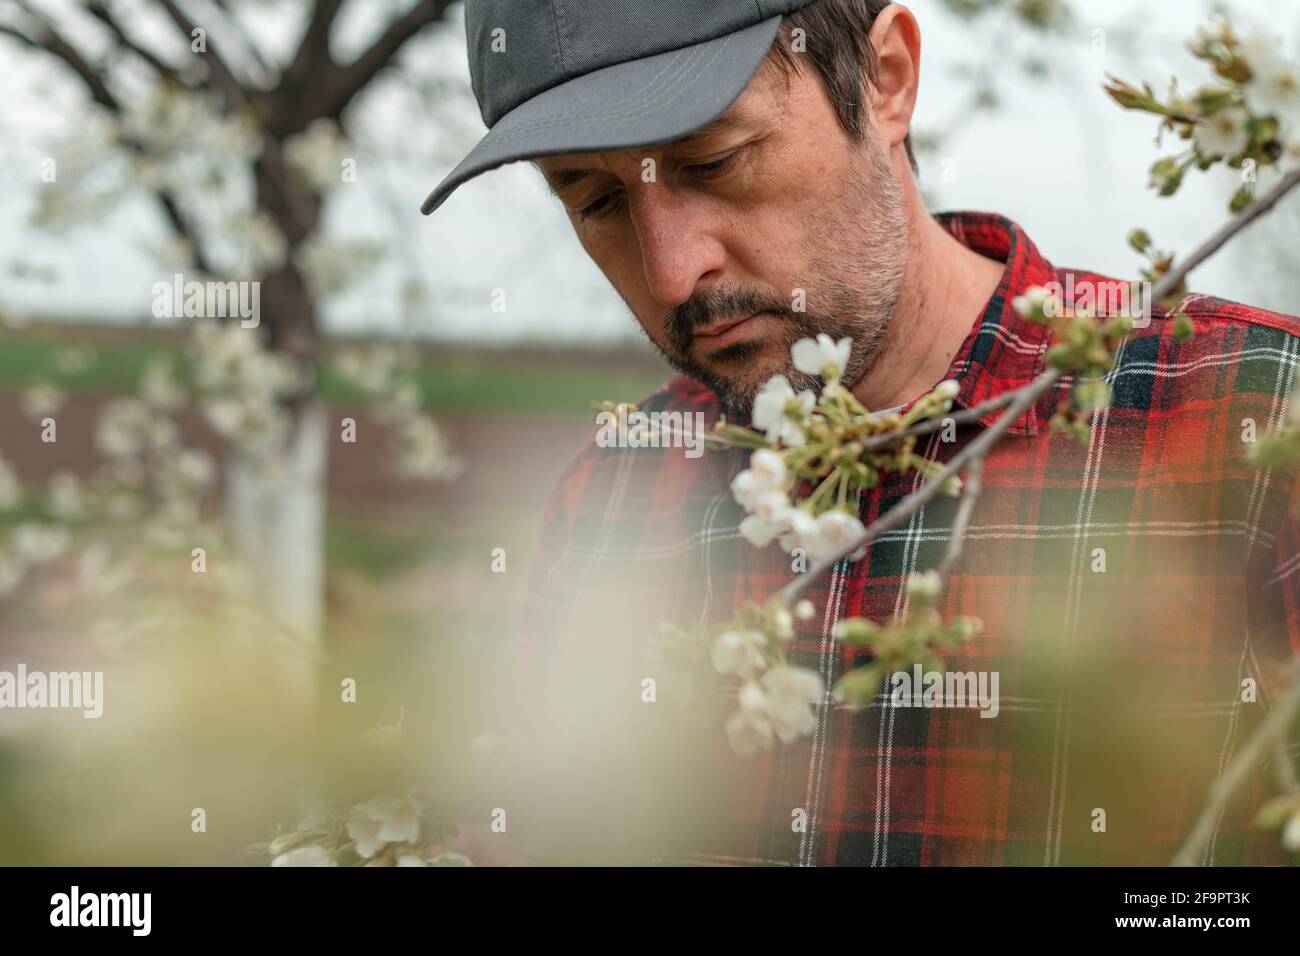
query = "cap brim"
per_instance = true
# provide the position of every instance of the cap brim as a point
(639, 103)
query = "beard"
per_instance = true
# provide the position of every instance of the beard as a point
(852, 271)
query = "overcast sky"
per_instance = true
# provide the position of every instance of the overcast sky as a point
(1057, 156)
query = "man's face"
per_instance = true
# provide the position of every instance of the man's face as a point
(710, 240)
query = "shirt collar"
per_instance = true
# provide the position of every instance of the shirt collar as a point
(1003, 351)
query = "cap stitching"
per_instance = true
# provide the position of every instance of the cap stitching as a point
(559, 43)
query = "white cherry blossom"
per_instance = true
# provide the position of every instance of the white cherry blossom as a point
(1224, 133)
(739, 652)
(822, 355)
(772, 415)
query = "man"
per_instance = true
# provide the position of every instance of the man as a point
(741, 172)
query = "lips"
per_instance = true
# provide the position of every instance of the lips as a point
(718, 328)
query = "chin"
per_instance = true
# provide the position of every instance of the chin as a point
(737, 391)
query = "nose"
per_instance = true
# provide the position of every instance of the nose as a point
(678, 248)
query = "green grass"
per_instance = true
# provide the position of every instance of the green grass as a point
(374, 550)
(565, 383)
(25, 360)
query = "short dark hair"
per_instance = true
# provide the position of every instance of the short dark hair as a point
(837, 46)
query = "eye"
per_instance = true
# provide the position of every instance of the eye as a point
(601, 206)
(706, 170)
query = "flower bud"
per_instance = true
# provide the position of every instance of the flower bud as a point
(924, 587)
(1139, 240)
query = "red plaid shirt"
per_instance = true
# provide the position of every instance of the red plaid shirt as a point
(1131, 592)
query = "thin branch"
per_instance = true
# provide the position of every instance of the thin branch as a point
(966, 415)
(100, 11)
(978, 448)
(52, 42)
(1275, 725)
(235, 95)
(246, 40)
(1172, 279)
(973, 484)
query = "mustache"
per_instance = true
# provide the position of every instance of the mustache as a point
(711, 305)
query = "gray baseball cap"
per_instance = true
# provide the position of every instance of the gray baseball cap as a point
(577, 76)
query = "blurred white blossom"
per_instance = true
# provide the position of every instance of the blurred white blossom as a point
(383, 820)
(316, 155)
(304, 856)
(41, 400)
(1224, 133)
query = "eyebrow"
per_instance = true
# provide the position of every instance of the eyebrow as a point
(562, 179)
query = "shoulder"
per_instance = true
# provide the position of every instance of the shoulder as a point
(1236, 350)
(1240, 358)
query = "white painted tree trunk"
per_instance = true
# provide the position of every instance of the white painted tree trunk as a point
(277, 518)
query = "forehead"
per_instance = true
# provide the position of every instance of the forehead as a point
(758, 105)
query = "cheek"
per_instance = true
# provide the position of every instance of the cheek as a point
(779, 226)
(618, 257)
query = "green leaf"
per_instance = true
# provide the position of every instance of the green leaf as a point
(1139, 240)
(1091, 394)
(1241, 200)
(858, 687)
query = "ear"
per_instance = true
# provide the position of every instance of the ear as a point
(896, 38)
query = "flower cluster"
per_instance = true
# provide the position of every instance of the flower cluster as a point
(146, 472)
(827, 443)
(243, 385)
(30, 543)
(774, 700)
(383, 831)
(1159, 262)
(1248, 119)
(382, 373)
(917, 637)
(1083, 345)
(330, 265)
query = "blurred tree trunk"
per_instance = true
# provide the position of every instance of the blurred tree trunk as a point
(276, 509)
(277, 520)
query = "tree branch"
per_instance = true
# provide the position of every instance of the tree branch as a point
(895, 516)
(233, 92)
(50, 41)
(100, 11)
(972, 486)
(966, 415)
(246, 40)
(314, 50)
(1172, 279)
(354, 77)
